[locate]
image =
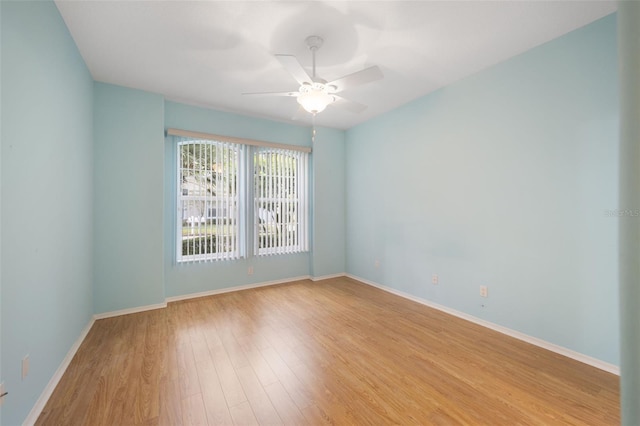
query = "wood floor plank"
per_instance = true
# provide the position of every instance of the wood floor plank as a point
(336, 352)
(234, 351)
(147, 398)
(213, 395)
(284, 405)
(260, 366)
(201, 354)
(187, 372)
(287, 377)
(193, 411)
(260, 403)
(172, 341)
(231, 387)
(170, 402)
(242, 414)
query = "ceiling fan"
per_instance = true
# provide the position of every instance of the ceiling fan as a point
(314, 93)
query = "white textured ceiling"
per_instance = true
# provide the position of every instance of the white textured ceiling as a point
(209, 52)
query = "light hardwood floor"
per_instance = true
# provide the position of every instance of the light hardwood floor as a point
(334, 352)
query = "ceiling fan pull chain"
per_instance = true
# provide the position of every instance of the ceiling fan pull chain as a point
(313, 130)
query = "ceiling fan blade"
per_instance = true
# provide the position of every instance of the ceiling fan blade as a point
(294, 94)
(348, 105)
(367, 75)
(291, 64)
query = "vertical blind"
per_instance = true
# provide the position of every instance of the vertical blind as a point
(281, 204)
(208, 182)
(230, 193)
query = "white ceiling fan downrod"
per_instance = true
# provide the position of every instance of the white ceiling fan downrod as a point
(315, 97)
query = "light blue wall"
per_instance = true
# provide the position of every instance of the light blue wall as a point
(501, 179)
(46, 199)
(184, 279)
(329, 203)
(128, 198)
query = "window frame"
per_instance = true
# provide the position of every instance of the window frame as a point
(226, 203)
(280, 177)
(247, 231)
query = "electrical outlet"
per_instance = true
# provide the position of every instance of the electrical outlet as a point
(25, 366)
(376, 264)
(435, 279)
(250, 270)
(484, 291)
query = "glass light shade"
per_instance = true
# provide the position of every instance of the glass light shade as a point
(315, 101)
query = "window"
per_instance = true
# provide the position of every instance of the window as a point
(280, 188)
(227, 203)
(208, 178)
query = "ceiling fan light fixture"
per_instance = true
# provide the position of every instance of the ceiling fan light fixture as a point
(314, 99)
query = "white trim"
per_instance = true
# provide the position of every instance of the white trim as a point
(328, 277)
(237, 288)
(614, 369)
(48, 390)
(129, 311)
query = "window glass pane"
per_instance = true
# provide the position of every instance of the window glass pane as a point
(213, 182)
(280, 201)
(208, 200)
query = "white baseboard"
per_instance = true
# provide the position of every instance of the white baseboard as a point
(232, 289)
(48, 390)
(129, 311)
(614, 369)
(328, 277)
(201, 294)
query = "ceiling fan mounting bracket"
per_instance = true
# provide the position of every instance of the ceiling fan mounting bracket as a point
(314, 42)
